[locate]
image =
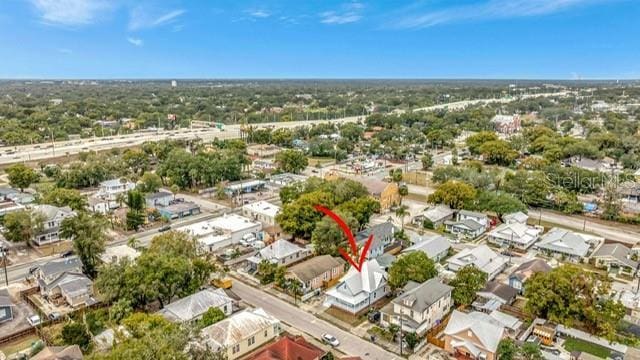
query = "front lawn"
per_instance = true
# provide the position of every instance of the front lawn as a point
(591, 348)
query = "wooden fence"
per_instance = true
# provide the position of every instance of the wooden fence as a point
(432, 334)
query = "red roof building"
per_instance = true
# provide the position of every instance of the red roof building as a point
(288, 348)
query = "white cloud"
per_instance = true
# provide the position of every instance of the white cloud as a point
(135, 41)
(70, 12)
(348, 13)
(143, 18)
(485, 11)
(65, 51)
(259, 13)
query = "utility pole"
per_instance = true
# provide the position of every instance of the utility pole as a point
(4, 252)
(400, 333)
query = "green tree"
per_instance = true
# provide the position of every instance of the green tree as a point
(530, 351)
(22, 225)
(467, 282)
(498, 152)
(292, 161)
(75, 333)
(327, 236)
(299, 217)
(150, 183)
(65, 197)
(427, 161)
(135, 214)
(474, 142)
(403, 190)
(21, 176)
(211, 316)
(498, 202)
(402, 211)
(395, 175)
(415, 266)
(454, 193)
(412, 340)
(88, 233)
(507, 349)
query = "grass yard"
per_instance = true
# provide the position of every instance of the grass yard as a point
(580, 345)
(321, 160)
(345, 317)
(18, 345)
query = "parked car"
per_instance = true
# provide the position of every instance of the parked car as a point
(66, 254)
(34, 320)
(374, 317)
(330, 339)
(55, 316)
(165, 228)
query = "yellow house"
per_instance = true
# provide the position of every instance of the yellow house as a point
(388, 194)
(242, 333)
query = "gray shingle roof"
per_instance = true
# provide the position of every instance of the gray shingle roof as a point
(617, 251)
(379, 231)
(55, 267)
(432, 246)
(564, 241)
(315, 267)
(422, 296)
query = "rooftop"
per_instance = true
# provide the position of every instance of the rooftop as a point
(193, 306)
(315, 267)
(420, 297)
(288, 348)
(263, 207)
(237, 327)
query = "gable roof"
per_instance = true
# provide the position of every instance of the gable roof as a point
(466, 223)
(370, 278)
(380, 231)
(314, 267)
(238, 327)
(289, 348)
(279, 249)
(193, 306)
(564, 241)
(488, 333)
(516, 217)
(56, 267)
(437, 212)
(526, 269)
(420, 297)
(375, 187)
(72, 352)
(432, 246)
(618, 252)
(482, 257)
(504, 292)
(49, 212)
(474, 214)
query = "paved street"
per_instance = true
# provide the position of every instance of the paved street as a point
(308, 323)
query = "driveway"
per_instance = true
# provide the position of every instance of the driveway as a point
(308, 323)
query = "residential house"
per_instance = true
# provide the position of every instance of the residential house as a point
(473, 336)
(281, 252)
(71, 352)
(192, 307)
(358, 290)
(506, 124)
(605, 165)
(49, 271)
(158, 199)
(515, 235)
(289, 347)
(515, 218)
(244, 186)
(436, 247)
(110, 189)
(421, 306)
(566, 244)
(468, 224)
(113, 254)
(75, 289)
(629, 191)
(222, 231)
(434, 217)
(615, 258)
(17, 196)
(261, 211)
(525, 271)
(493, 296)
(52, 217)
(242, 332)
(383, 237)
(6, 306)
(482, 257)
(317, 273)
(388, 194)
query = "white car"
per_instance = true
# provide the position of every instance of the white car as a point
(330, 339)
(34, 320)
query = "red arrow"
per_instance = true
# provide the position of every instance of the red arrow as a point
(352, 241)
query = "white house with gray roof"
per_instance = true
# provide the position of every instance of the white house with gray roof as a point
(515, 234)
(468, 224)
(383, 237)
(566, 244)
(281, 252)
(615, 257)
(358, 290)
(436, 247)
(421, 306)
(433, 217)
(192, 307)
(481, 257)
(52, 217)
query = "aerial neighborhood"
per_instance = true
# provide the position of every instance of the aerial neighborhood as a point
(501, 227)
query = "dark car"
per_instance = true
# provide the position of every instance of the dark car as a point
(66, 253)
(374, 316)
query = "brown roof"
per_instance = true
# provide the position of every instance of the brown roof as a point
(288, 348)
(525, 270)
(314, 267)
(374, 186)
(59, 353)
(500, 290)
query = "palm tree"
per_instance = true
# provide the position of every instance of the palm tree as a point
(402, 211)
(295, 288)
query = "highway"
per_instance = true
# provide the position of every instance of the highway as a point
(42, 151)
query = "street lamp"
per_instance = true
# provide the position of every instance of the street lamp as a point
(4, 251)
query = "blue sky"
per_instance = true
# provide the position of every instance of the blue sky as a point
(552, 39)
